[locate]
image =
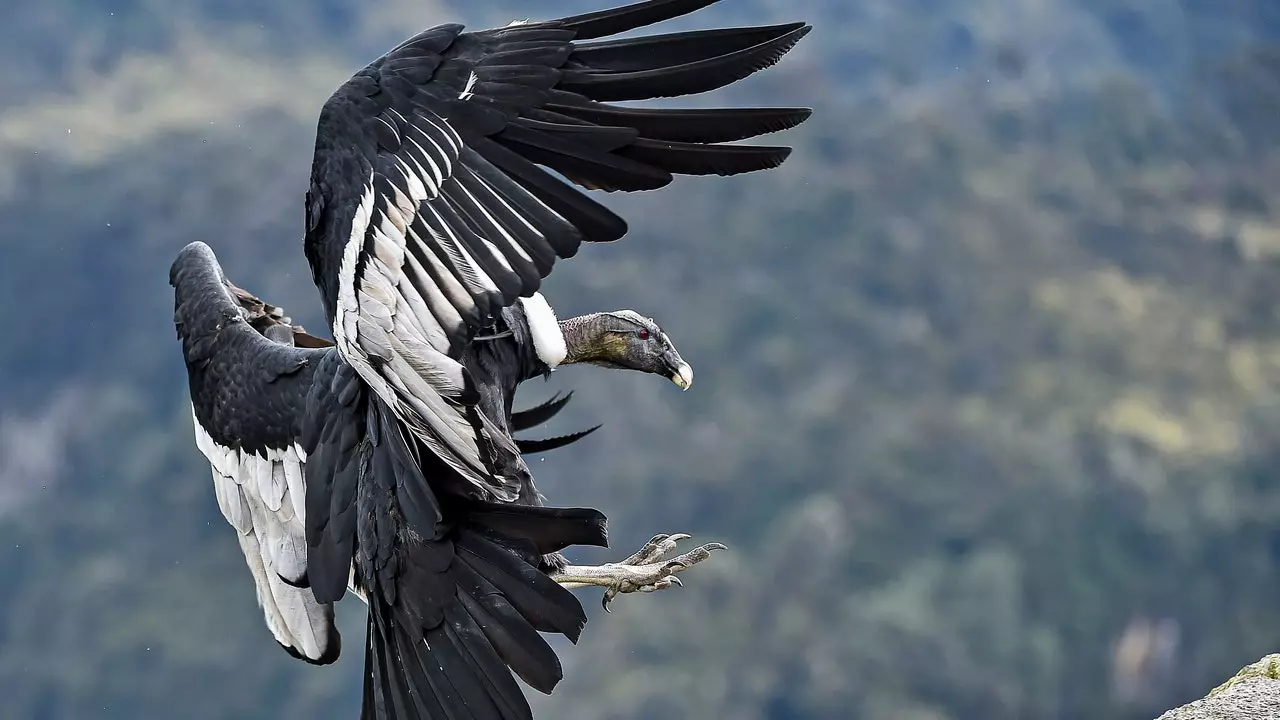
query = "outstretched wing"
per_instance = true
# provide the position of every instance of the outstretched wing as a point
(428, 211)
(249, 401)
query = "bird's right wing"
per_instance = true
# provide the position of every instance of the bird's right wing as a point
(249, 399)
(431, 207)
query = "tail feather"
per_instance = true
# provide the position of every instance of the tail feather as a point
(423, 700)
(450, 672)
(461, 631)
(540, 600)
(515, 640)
(447, 646)
(548, 529)
(386, 689)
(455, 694)
(462, 690)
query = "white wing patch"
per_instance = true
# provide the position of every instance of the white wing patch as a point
(396, 311)
(264, 499)
(344, 320)
(467, 93)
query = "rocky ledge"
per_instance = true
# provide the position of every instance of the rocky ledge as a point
(1253, 694)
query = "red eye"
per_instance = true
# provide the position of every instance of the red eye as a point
(644, 334)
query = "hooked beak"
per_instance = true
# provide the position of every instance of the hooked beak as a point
(681, 371)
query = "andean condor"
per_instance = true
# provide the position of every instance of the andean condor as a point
(430, 223)
(236, 345)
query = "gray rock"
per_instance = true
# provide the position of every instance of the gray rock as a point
(1253, 694)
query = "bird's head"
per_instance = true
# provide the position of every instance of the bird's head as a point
(626, 340)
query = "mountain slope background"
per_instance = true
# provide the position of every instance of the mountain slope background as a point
(987, 372)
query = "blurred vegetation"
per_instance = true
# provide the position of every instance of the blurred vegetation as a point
(987, 372)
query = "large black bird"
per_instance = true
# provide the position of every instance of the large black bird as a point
(236, 345)
(274, 538)
(429, 215)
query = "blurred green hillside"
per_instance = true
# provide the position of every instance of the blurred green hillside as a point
(987, 372)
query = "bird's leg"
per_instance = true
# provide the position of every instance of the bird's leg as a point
(645, 571)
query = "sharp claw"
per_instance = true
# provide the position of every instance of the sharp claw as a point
(647, 572)
(655, 548)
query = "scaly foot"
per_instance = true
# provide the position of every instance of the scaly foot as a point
(644, 571)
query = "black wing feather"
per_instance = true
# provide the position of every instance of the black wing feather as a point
(531, 447)
(540, 413)
(488, 111)
(249, 403)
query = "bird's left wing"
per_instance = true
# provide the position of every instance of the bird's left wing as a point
(249, 399)
(428, 210)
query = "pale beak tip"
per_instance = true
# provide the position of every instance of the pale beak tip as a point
(683, 377)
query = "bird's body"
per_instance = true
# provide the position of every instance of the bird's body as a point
(431, 220)
(498, 366)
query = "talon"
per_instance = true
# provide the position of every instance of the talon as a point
(659, 546)
(645, 571)
(655, 541)
(651, 549)
(668, 545)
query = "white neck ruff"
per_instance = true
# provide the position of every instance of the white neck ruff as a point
(548, 340)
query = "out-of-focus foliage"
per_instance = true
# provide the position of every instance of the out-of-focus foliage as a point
(987, 372)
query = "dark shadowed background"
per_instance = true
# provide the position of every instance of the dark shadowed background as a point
(987, 373)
